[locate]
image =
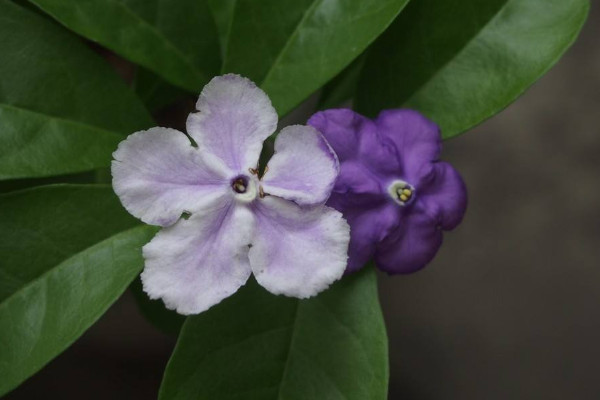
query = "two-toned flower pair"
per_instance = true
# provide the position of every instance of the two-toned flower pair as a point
(223, 222)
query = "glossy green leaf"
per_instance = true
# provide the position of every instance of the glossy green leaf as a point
(222, 11)
(67, 252)
(36, 145)
(293, 47)
(342, 88)
(62, 109)
(21, 184)
(258, 346)
(175, 39)
(155, 311)
(43, 226)
(461, 62)
(155, 92)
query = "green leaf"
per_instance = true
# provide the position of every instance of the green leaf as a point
(21, 184)
(62, 109)
(293, 47)
(154, 91)
(258, 346)
(222, 11)
(343, 87)
(33, 145)
(462, 62)
(67, 252)
(155, 311)
(43, 226)
(175, 39)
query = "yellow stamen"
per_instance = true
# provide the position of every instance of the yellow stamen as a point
(403, 197)
(407, 192)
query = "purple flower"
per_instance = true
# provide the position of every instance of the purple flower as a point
(236, 223)
(395, 194)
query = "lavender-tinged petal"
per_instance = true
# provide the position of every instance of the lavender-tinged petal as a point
(410, 247)
(443, 195)
(198, 262)
(298, 251)
(355, 139)
(417, 139)
(158, 175)
(303, 168)
(235, 118)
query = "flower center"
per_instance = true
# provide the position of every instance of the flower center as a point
(244, 188)
(240, 184)
(401, 192)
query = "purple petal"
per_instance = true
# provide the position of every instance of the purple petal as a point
(369, 226)
(303, 168)
(355, 138)
(342, 128)
(198, 262)
(235, 118)
(354, 178)
(298, 251)
(411, 246)
(443, 195)
(158, 175)
(417, 139)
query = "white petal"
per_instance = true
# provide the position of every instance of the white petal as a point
(235, 118)
(298, 251)
(303, 168)
(198, 262)
(158, 175)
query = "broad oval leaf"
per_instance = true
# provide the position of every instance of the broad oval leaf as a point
(67, 252)
(461, 62)
(258, 346)
(222, 12)
(175, 39)
(342, 88)
(168, 321)
(155, 92)
(293, 47)
(62, 108)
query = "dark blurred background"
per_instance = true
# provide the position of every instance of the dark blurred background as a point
(507, 310)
